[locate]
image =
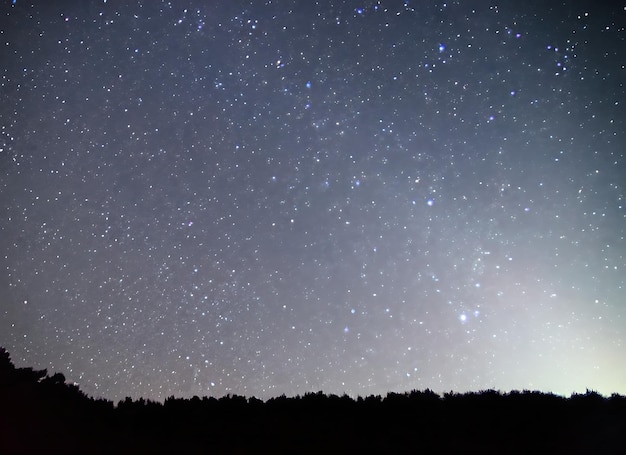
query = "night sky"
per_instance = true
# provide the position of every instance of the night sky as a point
(277, 197)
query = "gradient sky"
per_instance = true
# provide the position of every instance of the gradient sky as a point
(268, 197)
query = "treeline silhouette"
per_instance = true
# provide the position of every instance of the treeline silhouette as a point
(44, 414)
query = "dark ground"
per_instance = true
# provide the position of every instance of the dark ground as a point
(43, 414)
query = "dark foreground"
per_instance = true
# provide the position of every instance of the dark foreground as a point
(42, 414)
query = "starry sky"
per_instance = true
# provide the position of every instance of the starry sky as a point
(277, 197)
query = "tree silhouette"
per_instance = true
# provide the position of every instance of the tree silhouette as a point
(44, 413)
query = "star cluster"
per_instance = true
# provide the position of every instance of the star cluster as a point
(285, 196)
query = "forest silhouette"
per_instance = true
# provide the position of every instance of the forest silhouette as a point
(44, 414)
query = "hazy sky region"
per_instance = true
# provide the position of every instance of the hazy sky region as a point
(277, 197)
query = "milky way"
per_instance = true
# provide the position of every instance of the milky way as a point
(265, 198)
